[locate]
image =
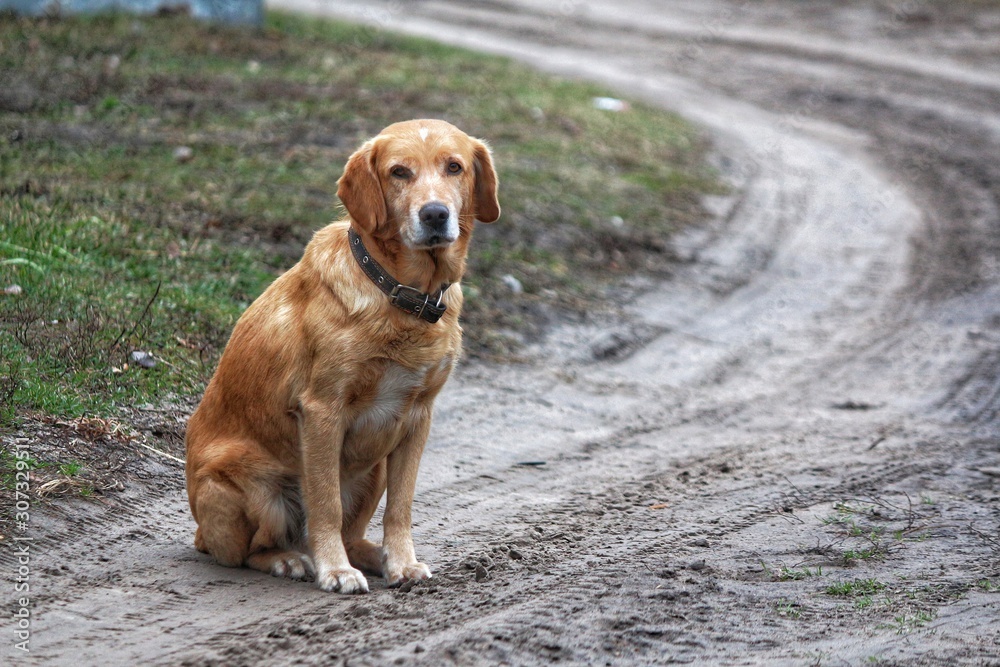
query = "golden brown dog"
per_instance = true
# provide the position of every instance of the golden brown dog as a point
(322, 399)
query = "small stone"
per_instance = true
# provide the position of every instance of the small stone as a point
(515, 554)
(183, 154)
(617, 221)
(512, 283)
(698, 565)
(12, 290)
(418, 649)
(111, 65)
(610, 104)
(700, 542)
(537, 114)
(144, 359)
(481, 573)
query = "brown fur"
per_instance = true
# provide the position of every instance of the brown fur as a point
(322, 400)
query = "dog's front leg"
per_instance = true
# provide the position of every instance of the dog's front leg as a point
(400, 560)
(323, 433)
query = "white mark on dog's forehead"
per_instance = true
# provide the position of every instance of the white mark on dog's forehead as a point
(423, 133)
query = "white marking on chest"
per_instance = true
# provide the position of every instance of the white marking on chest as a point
(394, 389)
(423, 133)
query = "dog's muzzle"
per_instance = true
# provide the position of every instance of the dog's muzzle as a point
(437, 228)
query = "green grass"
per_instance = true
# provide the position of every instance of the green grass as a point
(906, 623)
(70, 469)
(788, 609)
(10, 465)
(855, 588)
(119, 246)
(877, 551)
(988, 586)
(797, 574)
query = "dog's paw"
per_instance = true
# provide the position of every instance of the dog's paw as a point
(347, 581)
(411, 572)
(293, 566)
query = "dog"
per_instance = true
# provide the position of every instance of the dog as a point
(323, 396)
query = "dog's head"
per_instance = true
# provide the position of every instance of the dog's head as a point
(424, 181)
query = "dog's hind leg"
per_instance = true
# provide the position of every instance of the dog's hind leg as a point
(278, 513)
(282, 563)
(254, 528)
(224, 531)
(361, 499)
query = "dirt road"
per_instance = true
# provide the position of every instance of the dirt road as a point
(788, 454)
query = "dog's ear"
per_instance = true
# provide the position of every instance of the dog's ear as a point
(360, 191)
(487, 204)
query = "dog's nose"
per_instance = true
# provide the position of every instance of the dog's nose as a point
(434, 215)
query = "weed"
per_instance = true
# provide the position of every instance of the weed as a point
(10, 465)
(863, 602)
(906, 623)
(988, 586)
(789, 574)
(788, 609)
(70, 469)
(868, 553)
(855, 587)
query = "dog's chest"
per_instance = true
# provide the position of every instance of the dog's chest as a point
(396, 388)
(394, 397)
(399, 400)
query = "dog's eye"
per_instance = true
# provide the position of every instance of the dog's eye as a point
(400, 172)
(454, 168)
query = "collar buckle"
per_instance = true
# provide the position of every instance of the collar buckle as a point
(394, 297)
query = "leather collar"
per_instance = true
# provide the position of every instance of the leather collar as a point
(427, 307)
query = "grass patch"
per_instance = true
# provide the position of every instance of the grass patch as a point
(855, 588)
(988, 586)
(157, 173)
(788, 609)
(11, 464)
(906, 623)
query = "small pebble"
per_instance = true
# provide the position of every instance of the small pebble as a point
(111, 65)
(512, 283)
(144, 359)
(698, 565)
(183, 154)
(12, 289)
(481, 573)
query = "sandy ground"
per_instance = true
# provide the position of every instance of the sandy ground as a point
(813, 399)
